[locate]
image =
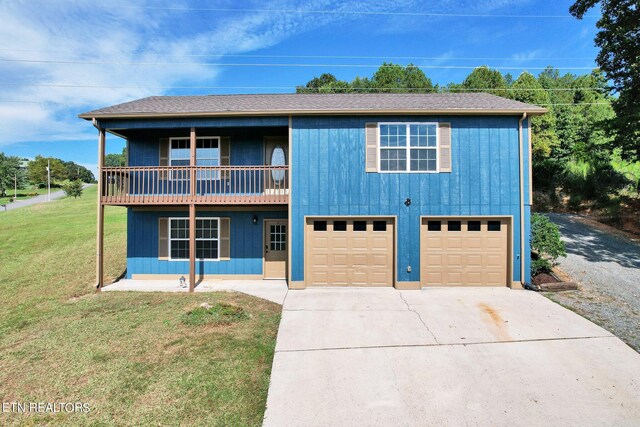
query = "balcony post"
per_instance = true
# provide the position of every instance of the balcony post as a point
(192, 247)
(192, 163)
(100, 216)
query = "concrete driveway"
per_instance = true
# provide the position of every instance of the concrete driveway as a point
(465, 356)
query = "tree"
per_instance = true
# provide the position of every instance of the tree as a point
(73, 188)
(592, 111)
(116, 159)
(388, 78)
(323, 84)
(75, 171)
(10, 170)
(396, 78)
(37, 170)
(619, 43)
(484, 79)
(544, 139)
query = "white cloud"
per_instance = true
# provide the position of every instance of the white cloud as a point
(87, 31)
(84, 30)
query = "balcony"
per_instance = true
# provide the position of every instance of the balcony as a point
(207, 185)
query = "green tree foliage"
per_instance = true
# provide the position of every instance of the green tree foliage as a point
(592, 111)
(484, 79)
(37, 170)
(60, 171)
(546, 244)
(543, 128)
(396, 78)
(581, 106)
(116, 159)
(10, 170)
(72, 188)
(388, 78)
(326, 83)
(75, 171)
(619, 42)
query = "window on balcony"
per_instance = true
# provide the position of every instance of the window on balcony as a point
(408, 147)
(207, 154)
(207, 238)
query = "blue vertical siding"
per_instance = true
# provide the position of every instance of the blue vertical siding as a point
(329, 178)
(246, 241)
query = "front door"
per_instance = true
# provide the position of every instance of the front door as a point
(275, 150)
(275, 249)
(275, 154)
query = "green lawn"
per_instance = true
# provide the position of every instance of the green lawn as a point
(23, 194)
(136, 359)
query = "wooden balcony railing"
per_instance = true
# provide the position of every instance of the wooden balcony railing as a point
(211, 185)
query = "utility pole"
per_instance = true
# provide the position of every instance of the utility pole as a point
(48, 180)
(15, 186)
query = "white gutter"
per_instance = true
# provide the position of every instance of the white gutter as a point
(522, 227)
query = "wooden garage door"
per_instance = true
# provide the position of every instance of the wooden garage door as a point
(464, 251)
(349, 252)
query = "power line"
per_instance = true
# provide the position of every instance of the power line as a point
(351, 12)
(279, 65)
(247, 55)
(444, 88)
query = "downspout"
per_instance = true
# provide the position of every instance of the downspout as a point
(522, 227)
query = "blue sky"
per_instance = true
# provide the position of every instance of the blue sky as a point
(61, 58)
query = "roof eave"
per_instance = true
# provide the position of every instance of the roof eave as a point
(450, 111)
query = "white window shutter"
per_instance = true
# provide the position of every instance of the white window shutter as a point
(371, 147)
(444, 130)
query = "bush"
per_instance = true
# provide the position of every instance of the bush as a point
(592, 180)
(546, 244)
(72, 188)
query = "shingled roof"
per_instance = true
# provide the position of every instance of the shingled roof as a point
(296, 104)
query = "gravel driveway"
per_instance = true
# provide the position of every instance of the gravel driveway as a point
(607, 266)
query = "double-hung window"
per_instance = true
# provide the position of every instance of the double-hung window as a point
(207, 238)
(408, 147)
(179, 155)
(207, 154)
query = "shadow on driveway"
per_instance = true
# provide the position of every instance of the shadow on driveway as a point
(595, 245)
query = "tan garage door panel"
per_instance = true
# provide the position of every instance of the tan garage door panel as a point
(464, 251)
(349, 252)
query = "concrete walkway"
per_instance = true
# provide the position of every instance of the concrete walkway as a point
(464, 356)
(55, 195)
(271, 290)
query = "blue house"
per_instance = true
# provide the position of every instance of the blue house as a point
(403, 190)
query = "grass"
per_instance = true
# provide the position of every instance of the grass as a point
(219, 314)
(132, 357)
(23, 194)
